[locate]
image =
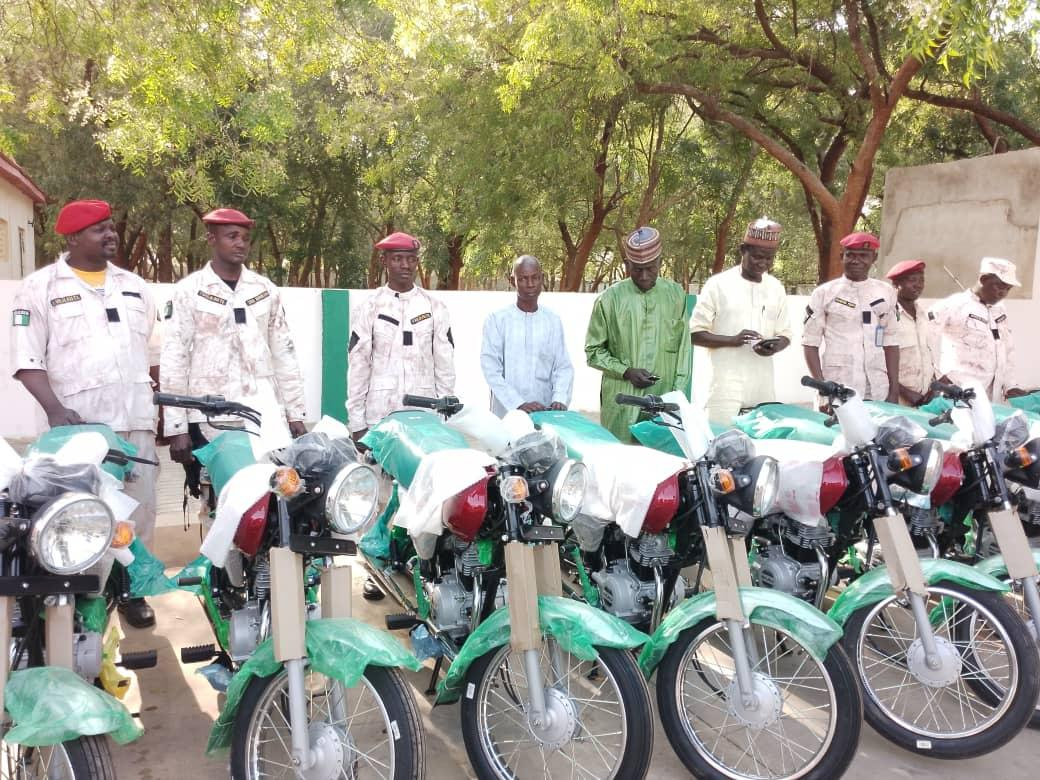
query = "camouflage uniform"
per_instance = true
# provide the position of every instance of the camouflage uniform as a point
(972, 343)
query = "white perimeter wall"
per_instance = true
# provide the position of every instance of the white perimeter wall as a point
(20, 416)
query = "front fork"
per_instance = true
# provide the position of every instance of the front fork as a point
(1018, 556)
(288, 632)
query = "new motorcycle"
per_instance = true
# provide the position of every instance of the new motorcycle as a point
(64, 521)
(311, 692)
(548, 685)
(750, 682)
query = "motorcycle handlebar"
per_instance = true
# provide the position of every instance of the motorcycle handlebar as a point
(422, 401)
(938, 420)
(953, 391)
(650, 403)
(209, 405)
(822, 386)
(447, 406)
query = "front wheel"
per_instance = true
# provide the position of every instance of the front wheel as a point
(371, 730)
(86, 758)
(804, 721)
(599, 724)
(981, 692)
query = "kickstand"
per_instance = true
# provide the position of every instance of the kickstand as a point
(432, 689)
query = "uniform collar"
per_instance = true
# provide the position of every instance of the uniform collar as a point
(65, 271)
(405, 296)
(211, 276)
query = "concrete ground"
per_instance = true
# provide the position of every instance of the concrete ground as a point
(178, 706)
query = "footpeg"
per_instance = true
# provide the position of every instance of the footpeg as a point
(144, 659)
(197, 654)
(401, 622)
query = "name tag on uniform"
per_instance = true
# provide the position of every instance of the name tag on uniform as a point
(1001, 318)
(977, 317)
(844, 302)
(258, 298)
(421, 317)
(879, 336)
(213, 298)
(66, 299)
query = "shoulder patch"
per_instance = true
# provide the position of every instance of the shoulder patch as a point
(213, 298)
(1001, 318)
(168, 310)
(450, 339)
(879, 300)
(20, 317)
(66, 299)
(808, 314)
(931, 316)
(844, 302)
(258, 298)
(354, 339)
(421, 317)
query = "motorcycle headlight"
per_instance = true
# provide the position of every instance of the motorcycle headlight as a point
(756, 486)
(916, 468)
(568, 490)
(352, 498)
(71, 533)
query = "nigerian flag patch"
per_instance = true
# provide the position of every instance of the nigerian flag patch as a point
(20, 317)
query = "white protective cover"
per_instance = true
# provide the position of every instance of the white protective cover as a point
(976, 425)
(695, 436)
(441, 476)
(484, 427)
(801, 474)
(857, 427)
(243, 490)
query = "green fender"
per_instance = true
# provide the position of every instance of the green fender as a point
(50, 705)
(764, 606)
(340, 648)
(875, 585)
(575, 625)
(995, 566)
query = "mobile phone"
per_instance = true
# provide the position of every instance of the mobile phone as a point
(768, 343)
(655, 378)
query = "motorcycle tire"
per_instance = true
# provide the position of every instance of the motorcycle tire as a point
(891, 645)
(688, 724)
(1018, 604)
(387, 686)
(86, 758)
(499, 673)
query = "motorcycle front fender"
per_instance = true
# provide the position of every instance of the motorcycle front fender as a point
(997, 567)
(875, 585)
(341, 648)
(764, 606)
(51, 704)
(577, 627)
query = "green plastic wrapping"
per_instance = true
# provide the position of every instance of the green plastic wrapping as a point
(875, 585)
(52, 440)
(762, 606)
(590, 591)
(376, 541)
(656, 437)
(340, 648)
(578, 628)
(50, 705)
(996, 566)
(1027, 403)
(93, 613)
(148, 575)
(230, 452)
(882, 410)
(786, 421)
(575, 430)
(400, 440)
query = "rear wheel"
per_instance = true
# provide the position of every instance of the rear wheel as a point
(805, 722)
(86, 758)
(1017, 601)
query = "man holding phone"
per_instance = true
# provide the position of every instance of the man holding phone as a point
(741, 317)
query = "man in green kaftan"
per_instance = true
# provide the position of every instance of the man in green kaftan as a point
(637, 334)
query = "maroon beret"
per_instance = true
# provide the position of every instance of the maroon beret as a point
(861, 241)
(905, 267)
(81, 214)
(228, 217)
(398, 242)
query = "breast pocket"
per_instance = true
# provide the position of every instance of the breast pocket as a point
(976, 333)
(674, 333)
(69, 323)
(384, 334)
(209, 316)
(421, 336)
(136, 316)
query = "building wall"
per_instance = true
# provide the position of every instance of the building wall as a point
(17, 252)
(21, 417)
(955, 213)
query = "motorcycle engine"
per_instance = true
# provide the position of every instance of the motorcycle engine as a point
(451, 604)
(624, 595)
(799, 573)
(244, 631)
(651, 549)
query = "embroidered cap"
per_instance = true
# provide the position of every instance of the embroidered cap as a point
(763, 232)
(398, 242)
(1003, 269)
(861, 241)
(643, 246)
(905, 267)
(80, 214)
(228, 217)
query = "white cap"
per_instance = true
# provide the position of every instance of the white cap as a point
(1003, 269)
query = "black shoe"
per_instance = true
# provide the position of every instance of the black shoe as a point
(371, 591)
(137, 613)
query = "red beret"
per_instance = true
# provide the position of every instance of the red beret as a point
(81, 214)
(861, 241)
(905, 267)
(228, 217)
(398, 242)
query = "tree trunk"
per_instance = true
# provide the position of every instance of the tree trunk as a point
(164, 261)
(456, 250)
(722, 234)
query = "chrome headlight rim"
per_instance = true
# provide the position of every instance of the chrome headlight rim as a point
(767, 487)
(332, 496)
(568, 468)
(933, 466)
(52, 510)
